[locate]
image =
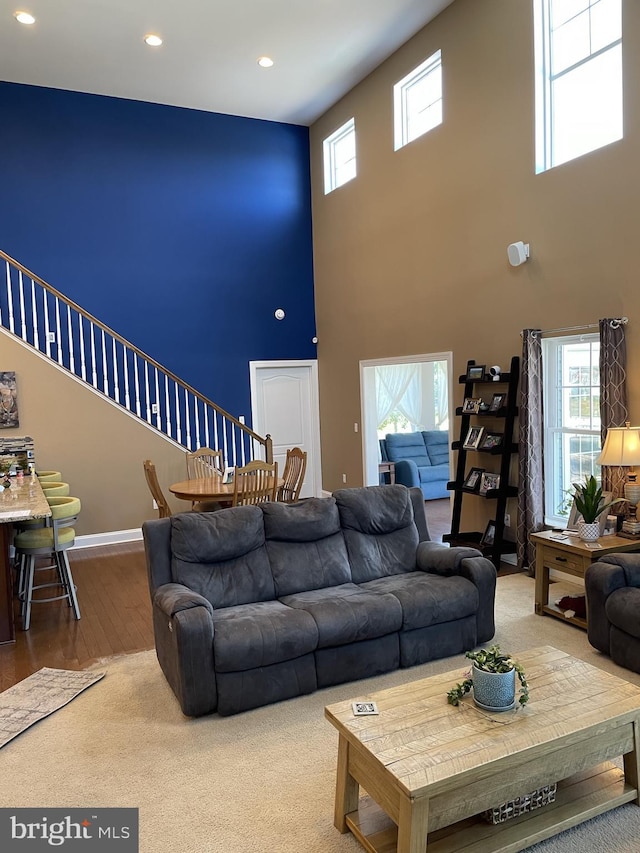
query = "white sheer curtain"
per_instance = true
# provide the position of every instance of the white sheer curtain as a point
(399, 389)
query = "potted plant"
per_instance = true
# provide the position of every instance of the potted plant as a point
(590, 504)
(493, 678)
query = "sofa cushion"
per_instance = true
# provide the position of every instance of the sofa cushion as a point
(433, 473)
(222, 555)
(346, 614)
(305, 545)
(622, 608)
(254, 635)
(436, 442)
(407, 445)
(429, 599)
(379, 530)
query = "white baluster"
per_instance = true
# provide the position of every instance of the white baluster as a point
(83, 358)
(116, 377)
(125, 367)
(105, 375)
(136, 380)
(47, 328)
(158, 421)
(34, 316)
(58, 331)
(187, 421)
(72, 363)
(196, 420)
(178, 427)
(94, 366)
(23, 319)
(166, 402)
(146, 390)
(206, 424)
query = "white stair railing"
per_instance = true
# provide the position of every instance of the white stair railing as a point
(45, 319)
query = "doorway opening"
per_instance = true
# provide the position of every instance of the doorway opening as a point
(406, 394)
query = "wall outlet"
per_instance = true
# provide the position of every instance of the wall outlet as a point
(355, 427)
(155, 504)
(154, 408)
(507, 520)
(51, 337)
(344, 478)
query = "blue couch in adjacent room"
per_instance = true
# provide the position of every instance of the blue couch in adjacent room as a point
(421, 460)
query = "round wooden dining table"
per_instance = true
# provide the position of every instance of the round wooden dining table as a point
(206, 489)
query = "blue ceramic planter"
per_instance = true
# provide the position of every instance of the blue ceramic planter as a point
(495, 691)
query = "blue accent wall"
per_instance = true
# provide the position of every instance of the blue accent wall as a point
(181, 230)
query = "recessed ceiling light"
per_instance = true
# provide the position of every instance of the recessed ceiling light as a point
(25, 18)
(265, 62)
(153, 41)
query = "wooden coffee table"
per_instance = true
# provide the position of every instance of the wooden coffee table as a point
(430, 768)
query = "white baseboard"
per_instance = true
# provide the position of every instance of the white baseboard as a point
(114, 537)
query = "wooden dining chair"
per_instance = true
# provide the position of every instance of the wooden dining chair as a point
(164, 510)
(293, 475)
(256, 483)
(204, 462)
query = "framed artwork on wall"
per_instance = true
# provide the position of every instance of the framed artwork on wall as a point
(8, 400)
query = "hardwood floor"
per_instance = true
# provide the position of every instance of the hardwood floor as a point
(115, 610)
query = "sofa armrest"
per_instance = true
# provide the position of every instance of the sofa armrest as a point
(407, 473)
(171, 598)
(183, 631)
(470, 564)
(600, 580)
(442, 560)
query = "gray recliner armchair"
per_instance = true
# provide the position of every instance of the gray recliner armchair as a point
(613, 608)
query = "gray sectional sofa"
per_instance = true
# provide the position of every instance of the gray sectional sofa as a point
(256, 604)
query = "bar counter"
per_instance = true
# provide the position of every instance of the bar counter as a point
(22, 501)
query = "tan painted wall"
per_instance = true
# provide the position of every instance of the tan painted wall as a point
(98, 448)
(410, 257)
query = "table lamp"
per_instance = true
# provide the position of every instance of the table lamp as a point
(622, 450)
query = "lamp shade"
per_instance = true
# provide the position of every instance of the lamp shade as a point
(621, 447)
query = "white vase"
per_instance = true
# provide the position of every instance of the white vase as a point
(589, 531)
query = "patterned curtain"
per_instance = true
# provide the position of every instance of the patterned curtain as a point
(530, 464)
(613, 393)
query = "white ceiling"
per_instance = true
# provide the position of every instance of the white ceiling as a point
(321, 49)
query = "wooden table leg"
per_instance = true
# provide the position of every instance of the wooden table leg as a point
(632, 763)
(347, 789)
(413, 824)
(541, 594)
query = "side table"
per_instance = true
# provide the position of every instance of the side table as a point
(571, 556)
(388, 468)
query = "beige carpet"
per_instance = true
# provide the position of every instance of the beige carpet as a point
(261, 781)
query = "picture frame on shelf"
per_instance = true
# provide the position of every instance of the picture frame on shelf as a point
(491, 440)
(497, 402)
(474, 436)
(475, 372)
(471, 405)
(489, 481)
(489, 534)
(472, 482)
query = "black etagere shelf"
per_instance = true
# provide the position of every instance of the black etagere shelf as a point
(498, 423)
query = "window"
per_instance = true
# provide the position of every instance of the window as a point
(571, 418)
(578, 78)
(340, 156)
(417, 101)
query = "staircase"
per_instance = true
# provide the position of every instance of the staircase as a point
(63, 332)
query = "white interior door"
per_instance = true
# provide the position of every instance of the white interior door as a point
(284, 405)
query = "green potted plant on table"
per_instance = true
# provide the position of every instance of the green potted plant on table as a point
(590, 503)
(493, 678)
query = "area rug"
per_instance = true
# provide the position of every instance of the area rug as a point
(39, 695)
(262, 781)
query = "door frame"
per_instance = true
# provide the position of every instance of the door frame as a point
(369, 460)
(312, 364)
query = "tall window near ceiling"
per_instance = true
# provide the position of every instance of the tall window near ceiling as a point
(578, 78)
(340, 156)
(571, 418)
(417, 101)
